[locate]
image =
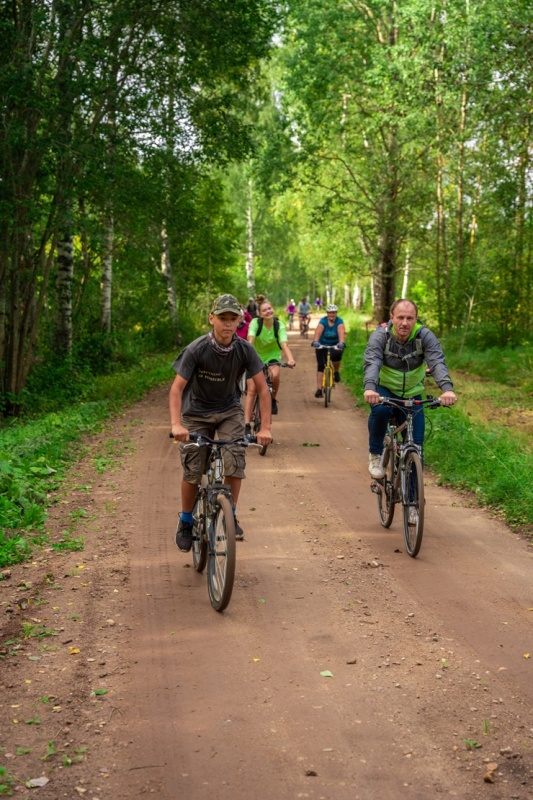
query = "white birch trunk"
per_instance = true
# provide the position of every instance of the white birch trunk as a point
(406, 268)
(347, 294)
(249, 266)
(106, 285)
(65, 276)
(168, 276)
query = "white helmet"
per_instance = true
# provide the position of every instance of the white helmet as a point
(331, 307)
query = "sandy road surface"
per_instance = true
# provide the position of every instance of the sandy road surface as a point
(427, 656)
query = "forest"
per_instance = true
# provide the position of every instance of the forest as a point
(155, 153)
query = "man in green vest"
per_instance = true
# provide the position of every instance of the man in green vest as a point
(394, 366)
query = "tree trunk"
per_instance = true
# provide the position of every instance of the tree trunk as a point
(107, 276)
(168, 277)
(64, 279)
(250, 266)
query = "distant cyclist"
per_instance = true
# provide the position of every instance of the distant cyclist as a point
(395, 366)
(291, 310)
(304, 311)
(331, 332)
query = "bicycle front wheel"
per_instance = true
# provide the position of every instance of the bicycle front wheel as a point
(413, 499)
(386, 485)
(199, 540)
(221, 555)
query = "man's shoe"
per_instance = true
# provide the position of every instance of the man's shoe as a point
(274, 406)
(184, 536)
(337, 377)
(239, 533)
(413, 515)
(318, 393)
(375, 466)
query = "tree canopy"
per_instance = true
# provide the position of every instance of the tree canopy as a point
(155, 152)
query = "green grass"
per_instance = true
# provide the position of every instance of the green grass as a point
(35, 454)
(468, 447)
(510, 366)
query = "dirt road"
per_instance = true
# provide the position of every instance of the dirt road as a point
(428, 691)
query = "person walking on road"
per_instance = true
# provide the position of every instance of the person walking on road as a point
(394, 366)
(205, 397)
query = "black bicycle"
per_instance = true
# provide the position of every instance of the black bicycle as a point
(255, 421)
(213, 538)
(403, 481)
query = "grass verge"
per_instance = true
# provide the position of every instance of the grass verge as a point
(35, 453)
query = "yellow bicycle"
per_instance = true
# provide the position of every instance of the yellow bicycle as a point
(328, 375)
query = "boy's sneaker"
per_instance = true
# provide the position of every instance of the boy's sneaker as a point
(375, 466)
(318, 393)
(337, 377)
(239, 533)
(184, 536)
(274, 406)
(413, 515)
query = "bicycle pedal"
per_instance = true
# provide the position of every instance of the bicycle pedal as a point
(376, 487)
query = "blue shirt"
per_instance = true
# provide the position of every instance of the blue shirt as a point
(330, 334)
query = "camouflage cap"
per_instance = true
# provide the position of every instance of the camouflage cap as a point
(226, 303)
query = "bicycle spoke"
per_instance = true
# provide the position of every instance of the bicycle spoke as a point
(221, 556)
(199, 541)
(413, 510)
(385, 486)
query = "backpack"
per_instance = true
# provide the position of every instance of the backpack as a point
(416, 346)
(276, 329)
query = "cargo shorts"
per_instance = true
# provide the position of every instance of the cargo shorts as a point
(227, 425)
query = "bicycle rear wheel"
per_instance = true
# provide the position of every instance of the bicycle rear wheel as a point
(199, 540)
(257, 424)
(221, 555)
(413, 509)
(328, 385)
(386, 495)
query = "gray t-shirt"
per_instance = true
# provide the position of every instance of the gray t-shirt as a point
(213, 377)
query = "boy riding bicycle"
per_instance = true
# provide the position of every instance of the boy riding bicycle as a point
(205, 398)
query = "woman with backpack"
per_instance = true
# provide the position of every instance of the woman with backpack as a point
(268, 335)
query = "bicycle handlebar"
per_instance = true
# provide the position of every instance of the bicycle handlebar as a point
(326, 346)
(431, 402)
(202, 439)
(274, 363)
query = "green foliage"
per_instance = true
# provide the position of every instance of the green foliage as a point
(512, 366)
(35, 453)
(7, 782)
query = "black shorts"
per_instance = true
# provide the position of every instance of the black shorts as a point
(336, 356)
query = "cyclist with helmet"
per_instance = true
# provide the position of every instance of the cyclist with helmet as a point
(330, 332)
